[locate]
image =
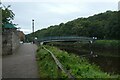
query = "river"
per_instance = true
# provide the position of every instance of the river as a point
(108, 61)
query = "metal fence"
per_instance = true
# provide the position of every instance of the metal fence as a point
(65, 38)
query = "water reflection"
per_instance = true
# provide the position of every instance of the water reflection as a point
(89, 55)
(107, 64)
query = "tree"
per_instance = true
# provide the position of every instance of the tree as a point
(7, 14)
(104, 26)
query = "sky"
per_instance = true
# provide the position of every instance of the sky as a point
(53, 12)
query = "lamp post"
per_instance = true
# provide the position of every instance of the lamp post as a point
(33, 25)
(33, 28)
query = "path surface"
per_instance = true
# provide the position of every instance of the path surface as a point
(22, 63)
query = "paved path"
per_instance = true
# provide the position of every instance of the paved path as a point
(22, 63)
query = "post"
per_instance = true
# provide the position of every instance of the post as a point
(33, 29)
(0, 41)
(33, 25)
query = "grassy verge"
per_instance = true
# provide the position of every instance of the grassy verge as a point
(46, 65)
(77, 66)
(107, 44)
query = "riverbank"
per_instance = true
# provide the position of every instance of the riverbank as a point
(103, 45)
(106, 59)
(79, 67)
(98, 44)
(106, 44)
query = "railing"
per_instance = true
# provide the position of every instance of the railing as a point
(60, 66)
(65, 38)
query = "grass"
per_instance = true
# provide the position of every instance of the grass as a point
(46, 65)
(79, 67)
(107, 44)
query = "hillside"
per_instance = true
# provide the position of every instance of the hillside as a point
(103, 25)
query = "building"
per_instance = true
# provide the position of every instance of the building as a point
(10, 39)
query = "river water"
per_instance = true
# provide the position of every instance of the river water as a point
(108, 61)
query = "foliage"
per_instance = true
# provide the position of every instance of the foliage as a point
(104, 26)
(77, 66)
(7, 14)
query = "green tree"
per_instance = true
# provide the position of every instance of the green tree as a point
(104, 26)
(7, 14)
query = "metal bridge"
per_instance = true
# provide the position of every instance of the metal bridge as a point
(65, 39)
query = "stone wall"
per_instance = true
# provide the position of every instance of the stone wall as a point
(15, 41)
(0, 44)
(10, 41)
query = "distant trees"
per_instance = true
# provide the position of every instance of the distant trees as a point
(103, 25)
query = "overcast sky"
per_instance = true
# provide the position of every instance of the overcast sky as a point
(53, 12)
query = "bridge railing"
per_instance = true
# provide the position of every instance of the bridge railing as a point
(65, 38)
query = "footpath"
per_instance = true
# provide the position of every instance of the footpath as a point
(22, 64)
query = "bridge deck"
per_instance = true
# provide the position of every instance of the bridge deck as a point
(69, 38)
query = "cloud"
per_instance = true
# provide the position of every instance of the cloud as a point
(119, 5)
(61, 1)
(51, 12)
(63, 8)
(26, 31)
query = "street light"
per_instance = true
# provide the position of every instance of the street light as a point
(33, 29)
(33, 25)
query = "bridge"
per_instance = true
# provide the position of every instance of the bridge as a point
(65, 39)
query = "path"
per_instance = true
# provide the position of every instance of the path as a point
(21, 64)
